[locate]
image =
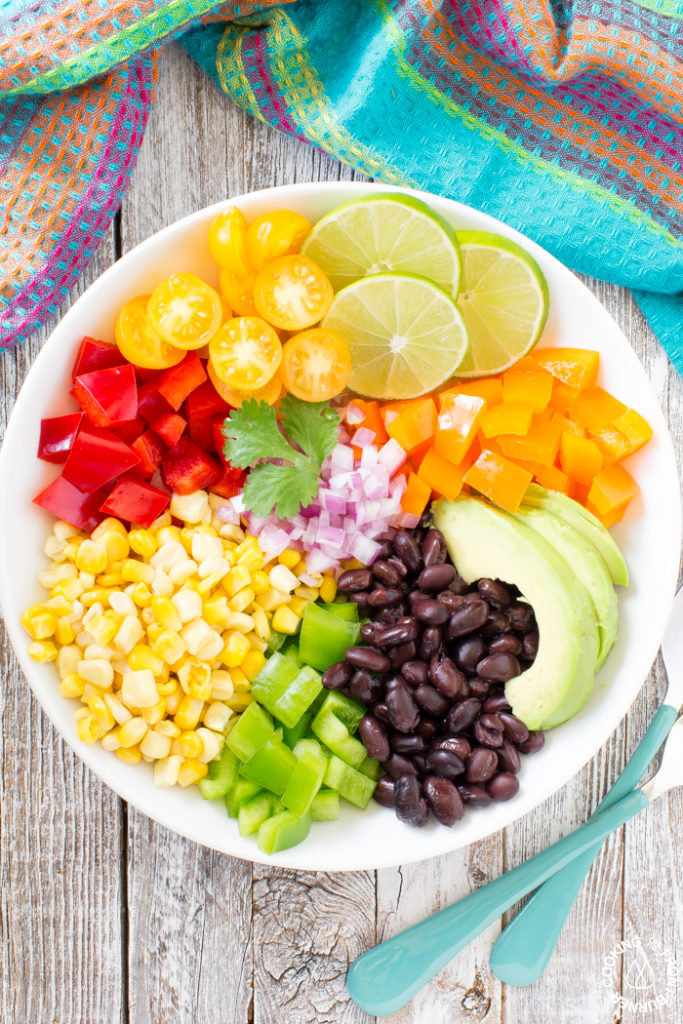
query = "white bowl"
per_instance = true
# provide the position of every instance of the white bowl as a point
(649, 536)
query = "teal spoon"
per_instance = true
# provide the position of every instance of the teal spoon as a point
(385, 978)
(522, 951)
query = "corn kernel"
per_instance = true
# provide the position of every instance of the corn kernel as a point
(129, 755)
(166, 770)
(239, 621)
(289, 558)
(215, 610)
(162, 585)
(60, 606)
(116, 545)
(160, 522)
(137, 572)
(141, 595)
(195, 678)
(261, 624)
(108, 525)
(190, 507)
(198, 636)
(96, 671)
(143, 657)
(139, 689)
(91, 557)
(64, 633)
(169, 646)
(189, 712)
(72, 686)
(240, 683)
(205, 546)
(94, 651)
(87, 729)
(190, 744)
(188, 604)
(286, 621)
(241, 601)
(156, 713)
(217, 716)
(306, 593)
(252, 664)
(122, 604)
(212, 744)
(131, 732)
(71, 590)
(102, 626)
(271, 599)
(298, 605)
(259, 581)
(167, 687)
(221, 685)
(238, 577)
(63, 530)
(191, 771)
(230, 531)
(182, 571)
(57, 574)
(83, 639)
(155, 746)
(282, 578)
(166, 614)
(110, 742)
(102, 714)
(255, 644)
(205, 586)
(119, 711)
(235, 650)
(251, 560)
(173, 701)
(130, 633)
(143, 543)
(98, 595)
(328, 589)
(38, 622)
(167, 728)
(239, 701)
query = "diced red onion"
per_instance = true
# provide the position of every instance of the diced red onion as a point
(354, 415)
(364, 437)
(392, 456)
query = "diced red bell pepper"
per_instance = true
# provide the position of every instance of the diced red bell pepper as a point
(230, 483)
(170, 427)
(96, 355)
(96, 458)
(176, 383)
(130, 431)
(57, 436)
(145, 375)
(136, 502)
(151, 405)
(108, 397)
(204, 403)
(66, 502)
(219, 440)
(202, 433)
(149, 450)
(187, 468)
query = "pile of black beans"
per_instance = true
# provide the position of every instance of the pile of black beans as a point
(437, 654)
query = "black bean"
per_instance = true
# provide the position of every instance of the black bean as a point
(385, 597)
(495, 703)
(404, 652)
(401, 632)
(468, 618)
(387, 548)
(513, 728)
(496, 623)
(361, 600)
(354, 580)
(508, 758)
(498, 668)
(463, 715)
(384, 791)
(535, 742)
(494, 592)
(530, 646)
(521, 616)
(444, 800)
(365, 688)
(430, 700)
(407, 743)
(420, 762)
(459, 586)
(430, 643)
(398, 565)
(386, 573)
(336, 676)
(473, 795)
(436, 577)
(400, 765)
(410, 806)
(503, 787)
(449, 599)
(479, 687)
(369, 632)
(469, 652)
(415, 672)
(407, 550)
(366, 657)
(429, 611)
(445, 763)
(506, 643)
(456, 744)
(445, 677)
(393, 681)
(389, 616)
(489, 731)
(427, 728)
(403, 711)
(482, 765)
(374, 737)
(434, 550)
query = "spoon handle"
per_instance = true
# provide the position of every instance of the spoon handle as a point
(387, 976)
(522, 951)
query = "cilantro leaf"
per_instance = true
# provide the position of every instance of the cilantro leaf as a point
(251, 433)
(283, 489)
(314, 426)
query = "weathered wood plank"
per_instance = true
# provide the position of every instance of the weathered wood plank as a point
(60, 834)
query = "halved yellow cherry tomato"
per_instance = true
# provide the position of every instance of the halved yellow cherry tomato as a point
(139, 343)
(245, 353)
(275, 234)
(238, 291)
(292, 292)
(185, 311)
(228, 241)
(270, 393)
(316, 364)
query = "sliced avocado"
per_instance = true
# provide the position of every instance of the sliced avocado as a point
(583, 521)
(484, 541)
(588, 565)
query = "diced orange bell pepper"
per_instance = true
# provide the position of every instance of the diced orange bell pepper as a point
(577, 367)
(540, 444)
(488, 388)
(528, 384)
(389, 411)
(580, 458)
(615, 516)
(442, 476)
(579, 492)
(636, 429)
(457, 425)
(417, 495)
(414, 425)
(612, 488)
(612, 443)
(499, 479)
(595, 408)
(549, 477)
(372, 419)
(506, 418)
(419, 454)
(563, 397)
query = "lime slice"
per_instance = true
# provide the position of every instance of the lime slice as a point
(503, 299)
(385, 233)
(405, 334)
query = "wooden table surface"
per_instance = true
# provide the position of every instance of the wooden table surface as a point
(108, 917)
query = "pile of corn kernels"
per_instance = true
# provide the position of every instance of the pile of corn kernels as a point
(159, 632)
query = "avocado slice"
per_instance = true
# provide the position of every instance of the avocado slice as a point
(583, 521)
(588, 565)
(485, 541)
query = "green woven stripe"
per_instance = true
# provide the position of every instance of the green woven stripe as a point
(669, 8)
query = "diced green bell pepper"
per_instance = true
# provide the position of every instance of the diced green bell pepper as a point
(348, 711)
(311, 748)
(253, 728)
(298, 730)
(242, 791)
(346, 610)
(304, 783)
(373, 769)
(271, 766)
(324, 637)
(325, 805)
(336, 736)
(275, 642)
(221, 775)
(350, 784)
(282, 831)
(252, 813)
(298, 697)
(273, 679)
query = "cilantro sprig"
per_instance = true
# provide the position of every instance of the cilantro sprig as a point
(285, 459)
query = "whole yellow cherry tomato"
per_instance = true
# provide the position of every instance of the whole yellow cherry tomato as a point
(316, 364)
(228, 241)
(238, 291)
(269, 394)
(245, 353)
(275, 234)
(139, 343)
(292, 293)
(185, 311)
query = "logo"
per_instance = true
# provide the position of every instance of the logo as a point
(640, 975)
